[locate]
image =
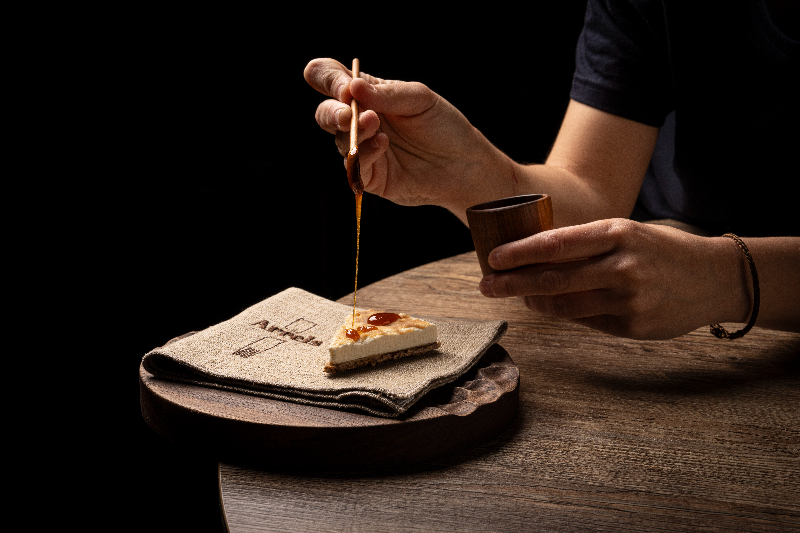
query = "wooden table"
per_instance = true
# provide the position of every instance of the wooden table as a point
(687, 434)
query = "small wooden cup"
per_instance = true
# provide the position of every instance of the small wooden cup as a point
(507, 220)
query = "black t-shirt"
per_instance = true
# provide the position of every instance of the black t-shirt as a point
(721, 81)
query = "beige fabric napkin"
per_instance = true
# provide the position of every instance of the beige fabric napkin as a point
(278, 347)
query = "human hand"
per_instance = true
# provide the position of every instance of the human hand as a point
(414, 147)
(625, 278)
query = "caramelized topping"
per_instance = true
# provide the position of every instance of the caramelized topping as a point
(355, 334)
(383, 319)
(370, 323)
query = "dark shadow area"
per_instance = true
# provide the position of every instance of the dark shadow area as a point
(441, 464)
(778, 363)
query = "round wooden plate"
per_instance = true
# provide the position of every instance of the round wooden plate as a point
(261, 432)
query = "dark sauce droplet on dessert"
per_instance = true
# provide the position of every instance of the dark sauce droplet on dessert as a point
(382, 319)
(355, 334)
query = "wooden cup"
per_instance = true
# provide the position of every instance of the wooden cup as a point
(507, 220)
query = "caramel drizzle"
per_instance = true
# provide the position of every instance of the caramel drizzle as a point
(354, 177)
(358, 238)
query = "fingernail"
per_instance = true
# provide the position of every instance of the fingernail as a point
(494, 260)
(338, 90)
(485, 286)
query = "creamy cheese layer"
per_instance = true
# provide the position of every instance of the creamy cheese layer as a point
(406, 332)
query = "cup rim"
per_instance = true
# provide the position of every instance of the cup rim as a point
(503, 203)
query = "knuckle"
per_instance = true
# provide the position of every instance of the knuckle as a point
(551, 244)
(322, 116)
(619, 229)
(501, 286)
(328, 116)
(628, 271)
(553, 282)
(624, 270)
(332, 82)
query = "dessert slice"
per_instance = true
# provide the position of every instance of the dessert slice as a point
(374, 337)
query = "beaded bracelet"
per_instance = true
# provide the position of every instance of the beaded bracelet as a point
(719, 331)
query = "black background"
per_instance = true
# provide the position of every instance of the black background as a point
(198, 184)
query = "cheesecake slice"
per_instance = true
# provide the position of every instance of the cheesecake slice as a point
(374, 337)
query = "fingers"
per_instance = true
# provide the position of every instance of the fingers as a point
(398, 98)
(329, 77)
(370, 150)
(576, 305)
(568, 273)
(548, 279)
(564, 244)
(333, 79)
(333, 116)
(402, 99)
(368, 125)
(371, 161)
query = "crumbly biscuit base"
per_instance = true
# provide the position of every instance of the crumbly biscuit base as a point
(381, 357)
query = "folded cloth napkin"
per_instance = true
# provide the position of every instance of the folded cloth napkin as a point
(278, 348)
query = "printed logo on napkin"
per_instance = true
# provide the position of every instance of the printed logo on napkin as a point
(278, 348)
(290, 332)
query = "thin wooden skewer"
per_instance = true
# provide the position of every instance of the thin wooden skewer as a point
(353, 165)
(354, 108)
(354, 177)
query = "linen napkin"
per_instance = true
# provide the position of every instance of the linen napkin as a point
(278, 348)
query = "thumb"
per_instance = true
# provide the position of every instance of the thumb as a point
(398, 98)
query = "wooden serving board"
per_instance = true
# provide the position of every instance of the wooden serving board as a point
(262, 432)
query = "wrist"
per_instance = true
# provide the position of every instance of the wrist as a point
(733, 301)
(487, 174)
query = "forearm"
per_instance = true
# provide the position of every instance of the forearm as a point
(575, 199)
(593, 172)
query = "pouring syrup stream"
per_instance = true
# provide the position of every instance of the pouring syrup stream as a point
(354, 178)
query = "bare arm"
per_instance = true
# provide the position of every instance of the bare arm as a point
(594, 170)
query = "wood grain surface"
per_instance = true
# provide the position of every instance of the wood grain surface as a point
(689, 434)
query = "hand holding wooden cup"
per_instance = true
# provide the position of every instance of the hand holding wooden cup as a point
(507, 220)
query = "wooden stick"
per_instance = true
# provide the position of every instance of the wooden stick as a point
(354, 177)
(354, 108)
(353, 165)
